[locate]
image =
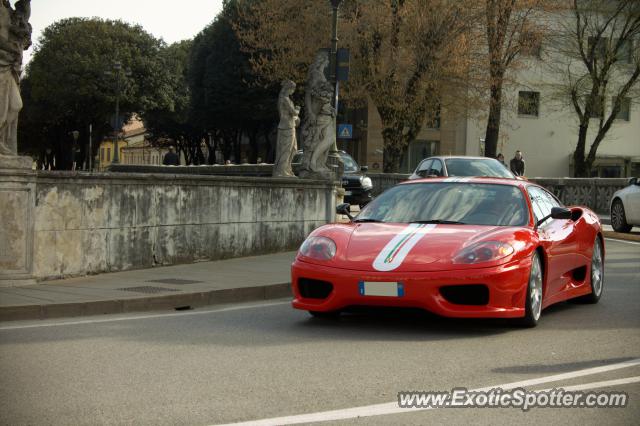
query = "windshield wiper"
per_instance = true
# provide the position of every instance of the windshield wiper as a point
(368, 220)
(439, 222)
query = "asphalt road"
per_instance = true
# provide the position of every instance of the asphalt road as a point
(251, 362)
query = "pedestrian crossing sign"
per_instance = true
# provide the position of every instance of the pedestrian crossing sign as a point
(345, 131)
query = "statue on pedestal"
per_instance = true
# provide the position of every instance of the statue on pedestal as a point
(15, 37)
(318, 132)
(289, 119)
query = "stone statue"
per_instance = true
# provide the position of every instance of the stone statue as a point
(15, 37)
(289, 119)
(318, 131)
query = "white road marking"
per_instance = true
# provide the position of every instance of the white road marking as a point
(598, 385)
(140, 317)
(392, 407)
(622, 241)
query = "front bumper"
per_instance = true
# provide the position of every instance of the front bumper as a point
(506, 283)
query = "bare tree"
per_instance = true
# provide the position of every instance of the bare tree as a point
(597, 59)
(513, 28)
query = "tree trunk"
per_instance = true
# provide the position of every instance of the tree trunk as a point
(493, 123)
(253, 143)
(580, 166)
(393, 149)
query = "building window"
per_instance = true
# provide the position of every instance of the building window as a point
(597, 106)
(599, 46)
(625, 51)
(529, 103)
(101, 154)
(434, 121)
(530, 44)
(417, 151)
(625, 109)
(108, 154)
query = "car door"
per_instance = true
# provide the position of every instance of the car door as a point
(559, 240)
(632, 204)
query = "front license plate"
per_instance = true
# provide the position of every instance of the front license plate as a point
(347, 193)
(376, 288)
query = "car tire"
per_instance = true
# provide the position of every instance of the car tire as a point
(533, 298)
(325, 315)
(618, 217)
(596, 274)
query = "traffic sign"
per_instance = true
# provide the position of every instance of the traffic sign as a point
(345, 131)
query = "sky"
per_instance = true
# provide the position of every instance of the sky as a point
(170, 20)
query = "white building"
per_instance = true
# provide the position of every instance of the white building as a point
(533, 121)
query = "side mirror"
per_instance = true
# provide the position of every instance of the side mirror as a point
(364, 169)
(345, 209)
(633, 181)
(560, 213)
(556, 213)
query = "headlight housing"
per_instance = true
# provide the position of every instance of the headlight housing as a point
(366, 182)
(485, 251)
(318, 248)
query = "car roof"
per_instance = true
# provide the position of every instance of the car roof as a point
(472, 179)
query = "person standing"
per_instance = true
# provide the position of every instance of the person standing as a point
(517, 164)
(171, 158)
(500, 158)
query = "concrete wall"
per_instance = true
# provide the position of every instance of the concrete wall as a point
(92, 223)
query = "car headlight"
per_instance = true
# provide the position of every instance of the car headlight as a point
(366, 182)
(319, 248)
(485, 251)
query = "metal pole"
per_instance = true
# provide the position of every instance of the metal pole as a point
(116, 154)
(334, 61)
(90, 148)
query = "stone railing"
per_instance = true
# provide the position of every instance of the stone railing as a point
(60, 224)
(255, 170)
(594, 193)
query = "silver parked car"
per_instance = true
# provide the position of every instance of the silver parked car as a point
(461, 166)
(625, 207)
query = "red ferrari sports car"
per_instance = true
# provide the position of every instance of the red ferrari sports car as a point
(457, 247)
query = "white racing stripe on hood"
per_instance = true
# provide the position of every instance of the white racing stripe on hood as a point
(396, 250)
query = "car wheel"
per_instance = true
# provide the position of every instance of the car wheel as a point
(618, 217)
(325, 315)
(597, 274)
(533, 300)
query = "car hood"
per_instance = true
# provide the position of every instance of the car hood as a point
(403, 247)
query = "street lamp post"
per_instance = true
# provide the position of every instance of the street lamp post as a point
(333, 64)
(118, 73)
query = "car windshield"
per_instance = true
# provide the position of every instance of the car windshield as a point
(476, 167)
(350, 164)
(449, 202)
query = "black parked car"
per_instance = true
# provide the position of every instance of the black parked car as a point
(356, 184)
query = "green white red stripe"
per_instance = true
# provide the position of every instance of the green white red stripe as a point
(396, 250)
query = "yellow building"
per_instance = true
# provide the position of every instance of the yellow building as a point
(106, 153)
(134, 148)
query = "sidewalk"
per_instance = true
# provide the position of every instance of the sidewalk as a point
(168, 287)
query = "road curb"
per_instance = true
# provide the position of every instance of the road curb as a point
(621, 236)
(144, 304)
